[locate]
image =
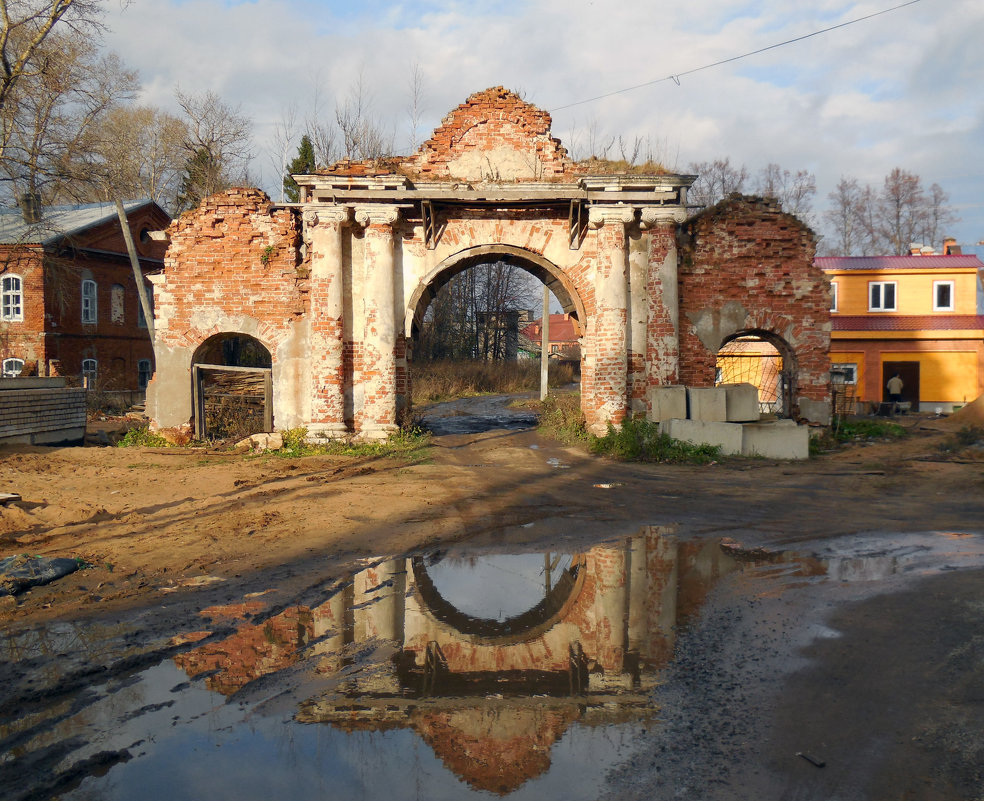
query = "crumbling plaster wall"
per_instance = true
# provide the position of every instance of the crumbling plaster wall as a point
(232, 267)
(747, 266)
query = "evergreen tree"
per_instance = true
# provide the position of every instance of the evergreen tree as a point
(303, 164)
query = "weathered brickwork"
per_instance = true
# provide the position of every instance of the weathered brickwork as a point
(337, 288)
(747, 267)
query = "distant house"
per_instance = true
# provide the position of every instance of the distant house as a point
(921, 316)
(68, 298)
(564, 337)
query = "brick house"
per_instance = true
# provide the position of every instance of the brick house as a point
(920, 315)
(68, 299)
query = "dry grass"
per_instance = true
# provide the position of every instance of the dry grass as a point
(434, 381)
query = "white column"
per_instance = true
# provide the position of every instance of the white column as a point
(378, 363)
(663, 297)
(323, 230)
(609, 363)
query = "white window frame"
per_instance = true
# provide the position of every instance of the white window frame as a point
(12, 367)
(12, 300)
(936, 295)
(833, 296)
(90, 369)
(881, 305)
(90, 308)
(850, 370)
(142, 370)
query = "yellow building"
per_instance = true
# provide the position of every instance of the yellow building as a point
(921, 316)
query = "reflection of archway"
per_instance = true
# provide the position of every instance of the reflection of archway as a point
(763, 359)
(232, 387)
(562, 584)
(535, 264)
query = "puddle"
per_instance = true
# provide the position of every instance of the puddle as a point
(436, 675)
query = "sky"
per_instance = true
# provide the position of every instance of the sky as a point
(902, 89)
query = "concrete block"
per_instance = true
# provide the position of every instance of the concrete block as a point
(815, 411)
(741, 403)
(782, 439)
(668, 403)
(708, 404)
(728, 436)
(32, 382)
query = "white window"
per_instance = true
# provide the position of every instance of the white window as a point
(143, 373)
(12, 368)
(117, 304)
(881, 295)
(833, 296)
(88, 301)
(90, 368)
(942, 295)
(847, 370)
(12, 302)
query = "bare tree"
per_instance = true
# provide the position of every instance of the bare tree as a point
(26, 26)
(284, 132)
(218, 147)
(795, 191)
(138, 151)
(363, 135)
(415, 107)
(869, 222)
(715, 181)
(52, 117)
(321, 130)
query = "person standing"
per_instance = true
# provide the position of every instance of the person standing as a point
(894, 387)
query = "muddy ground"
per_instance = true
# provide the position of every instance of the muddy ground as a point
(893, 704)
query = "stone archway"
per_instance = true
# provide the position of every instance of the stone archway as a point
(339, 281)
(763, 359)
(232, 386)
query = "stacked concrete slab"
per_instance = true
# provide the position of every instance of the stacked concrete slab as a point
(41, 411)
(727, 416)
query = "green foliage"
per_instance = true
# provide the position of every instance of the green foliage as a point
(561, 418)
(864, 430)
(410, 443)
(143, 437)
(267, 253)
(303, 164)
(640, 440)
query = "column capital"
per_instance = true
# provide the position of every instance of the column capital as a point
(654, 215)
(599, 215)
(376, 215)
(326, 215)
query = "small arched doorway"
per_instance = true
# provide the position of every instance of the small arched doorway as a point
(232, 387)
(763, 359)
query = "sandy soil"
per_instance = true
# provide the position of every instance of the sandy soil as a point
(179, 520)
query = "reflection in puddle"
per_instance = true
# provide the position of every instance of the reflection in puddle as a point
(429, 676)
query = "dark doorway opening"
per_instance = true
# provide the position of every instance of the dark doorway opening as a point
(909, 373)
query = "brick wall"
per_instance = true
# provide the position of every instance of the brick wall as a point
(233, 257)
(746, 266)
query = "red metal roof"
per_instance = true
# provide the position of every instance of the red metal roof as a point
(561, 329)
(898, 262)
(908, 322)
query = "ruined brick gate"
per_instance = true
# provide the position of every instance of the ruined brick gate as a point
(334, 288)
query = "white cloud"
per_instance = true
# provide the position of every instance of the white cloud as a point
(901, 89)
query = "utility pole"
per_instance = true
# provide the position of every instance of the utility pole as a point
(137, 272)
(545, 343)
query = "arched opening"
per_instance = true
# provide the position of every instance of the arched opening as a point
(485, 305)
(232, 387)
(519, 595)
(763, 359)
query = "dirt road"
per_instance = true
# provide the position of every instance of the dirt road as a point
(196, 529)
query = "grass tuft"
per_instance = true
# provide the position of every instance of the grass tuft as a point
(640, 441)
(143, 437)
(435, 381)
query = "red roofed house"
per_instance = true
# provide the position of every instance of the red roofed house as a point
(563, 336)
(921, 316)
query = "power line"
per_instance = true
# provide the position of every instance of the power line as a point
(677, 76)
